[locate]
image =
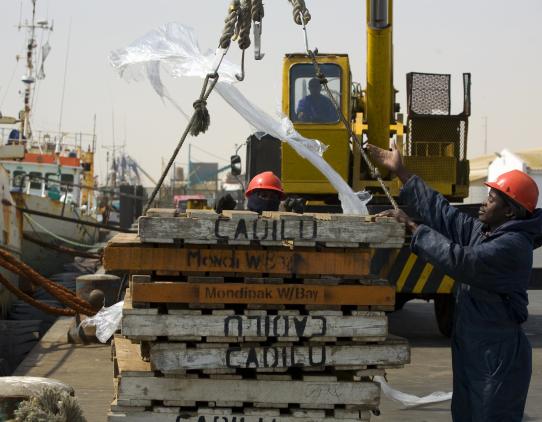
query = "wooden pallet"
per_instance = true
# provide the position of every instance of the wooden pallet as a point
(138, 385)
(175, 357)
(125, 252)
(271, 229)
(247, 414)
(251, 325)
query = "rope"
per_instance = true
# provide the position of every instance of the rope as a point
(257, 10)
(36, 303)
(60, 292)
(244, 23)
(200, 120)
(56, 236)
(301, 13)
(229, 28)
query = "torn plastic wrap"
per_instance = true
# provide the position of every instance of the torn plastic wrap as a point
(107, 321)
(410, 400)
(174, 48)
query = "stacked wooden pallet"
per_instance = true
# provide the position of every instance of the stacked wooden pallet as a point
(254, 318)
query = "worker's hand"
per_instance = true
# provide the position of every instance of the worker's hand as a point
(296, 204)
(391, 160)
(225, 203)
(401, 217)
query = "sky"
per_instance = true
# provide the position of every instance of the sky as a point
(497, 41)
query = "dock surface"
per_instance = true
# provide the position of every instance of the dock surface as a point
(89, 370)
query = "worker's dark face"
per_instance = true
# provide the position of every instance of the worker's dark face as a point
(263, 200)
(267, 194)
(494, 211)
(315, 88)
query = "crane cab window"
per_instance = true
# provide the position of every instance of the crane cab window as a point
(309, 102)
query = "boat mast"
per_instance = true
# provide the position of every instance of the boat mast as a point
(29, 79)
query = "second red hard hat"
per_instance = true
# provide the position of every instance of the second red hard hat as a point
(518, 186)
(266, 180)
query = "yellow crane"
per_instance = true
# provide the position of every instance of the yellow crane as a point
(433, 142)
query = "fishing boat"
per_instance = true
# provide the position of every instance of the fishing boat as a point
(49, 174)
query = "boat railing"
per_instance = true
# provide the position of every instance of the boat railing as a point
(48, 186)
(47, 141)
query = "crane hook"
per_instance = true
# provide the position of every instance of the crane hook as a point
(241, 77)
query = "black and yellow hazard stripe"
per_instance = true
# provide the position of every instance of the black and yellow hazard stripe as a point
(409, 273)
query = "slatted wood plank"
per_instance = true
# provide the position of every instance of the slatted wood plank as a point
(210, 416)
(254, 261)
(167, 357)
(263, 392)
(301, 326)
(297, 227)
(245, 293)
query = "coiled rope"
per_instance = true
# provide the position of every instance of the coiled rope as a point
(63, 294)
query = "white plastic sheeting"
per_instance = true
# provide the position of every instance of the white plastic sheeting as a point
(107, 320)
(410, 400)
(174, 48)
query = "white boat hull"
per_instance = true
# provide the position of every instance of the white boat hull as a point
(53, 231)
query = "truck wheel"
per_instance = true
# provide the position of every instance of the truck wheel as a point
(444, 312)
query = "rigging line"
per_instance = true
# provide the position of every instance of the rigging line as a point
(9, 83)
(58, 237)
(209, 153)
(65, 76)
(37, 60)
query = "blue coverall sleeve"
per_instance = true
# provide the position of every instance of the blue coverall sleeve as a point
(486, 265)
(436, 212)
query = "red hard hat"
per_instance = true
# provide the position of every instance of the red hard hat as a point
(265, 180)
(518, 186)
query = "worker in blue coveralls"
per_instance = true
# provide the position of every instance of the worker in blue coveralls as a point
(315, 107)
(491, 259)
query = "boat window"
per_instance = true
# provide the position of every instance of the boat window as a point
(66, 178)
(309, 102)
(18, 176)
(35, 180)
(51, 181)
